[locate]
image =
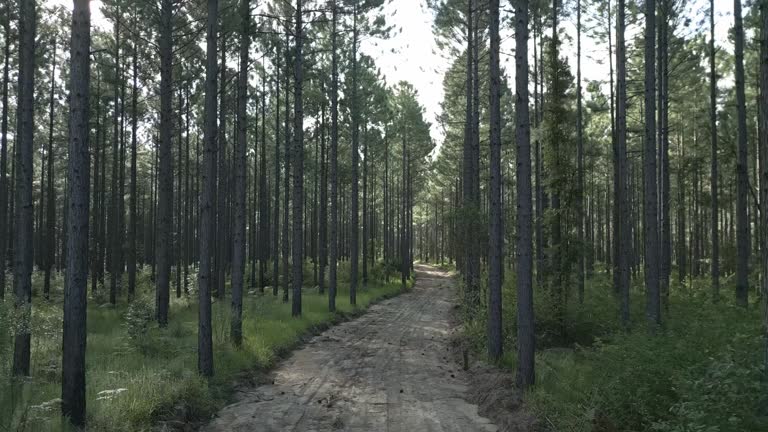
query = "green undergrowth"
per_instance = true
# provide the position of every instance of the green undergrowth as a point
(701, 372)
(139, 374)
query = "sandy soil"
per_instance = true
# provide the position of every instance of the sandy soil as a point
(389, 370)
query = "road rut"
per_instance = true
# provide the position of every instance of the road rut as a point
(389, 370)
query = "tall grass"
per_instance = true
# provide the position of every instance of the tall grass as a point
(138, 374)
(703, 371)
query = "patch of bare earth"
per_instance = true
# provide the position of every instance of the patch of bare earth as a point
(389, 370)
(491, 388)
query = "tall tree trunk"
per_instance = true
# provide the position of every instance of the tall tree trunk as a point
(404, 267)
(323, 236)
(355, 116)
(222, 187)
(526, 341)
(665, 264)
(763, 123)
(742, 181)
(276, 228)
(539, 192)
(4, 151)
(97, 203)
(50, 205)
(287, 175)
(78, 180)
(238, 243)
(366, 225)
(113, 261)
(165, 167)
(204, 331)
(470, 201)
(298, 164)
(334, 239)
(650, 193)
(188, 216)
(580, 160)
(24, 215)
(495, 235)
(622, 222)
(134, 180)
(263, 246)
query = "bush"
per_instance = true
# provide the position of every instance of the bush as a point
(702, 372)
(138, 317)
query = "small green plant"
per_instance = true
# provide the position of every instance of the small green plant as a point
(138, 318)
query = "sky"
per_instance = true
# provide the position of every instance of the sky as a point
(411, 53)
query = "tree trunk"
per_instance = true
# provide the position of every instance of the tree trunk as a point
(298, 164)
(165, 167)
(622, 222)
(742, 181)
(50, 204)
(763, 124)
(134, 185)
(353, 241)
(323, 236)
(204, 331)
(287, 176)
(665, 264)
(276, 228)
(222, 188)
(76, 287)
(495, 235)
(238, 243)
(470, 200)
(366, 225)
(113, 261)
(526, 342)
(334, 162)
(650, 193)
(264, 217)
(580, 160)
(24, 214)
(4, 151)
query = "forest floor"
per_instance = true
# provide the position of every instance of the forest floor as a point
(390, 370)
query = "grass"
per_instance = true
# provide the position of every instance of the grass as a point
(702, 372)
(134, 382)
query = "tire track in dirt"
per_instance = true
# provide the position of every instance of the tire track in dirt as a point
(388, 370)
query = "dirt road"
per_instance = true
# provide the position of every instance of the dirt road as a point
(389, 370)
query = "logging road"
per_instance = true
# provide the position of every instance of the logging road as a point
(388, 370)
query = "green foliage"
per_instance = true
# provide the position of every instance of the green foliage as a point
(138, 318)
(139, 373)
(701, 372)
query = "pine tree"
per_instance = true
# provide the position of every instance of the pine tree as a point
(74, 338)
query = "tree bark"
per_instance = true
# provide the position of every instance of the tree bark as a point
(355, 117)
(165, 167)
(238, 243)
(50, 203)
(113, 253)
(204, 331)
(276, 228)
(622, 220)
(495, 235)
(134, 185)
(526, 340)
(4, 151)
(742, 181)
(580, 160)
(334, 244)
(650, 193)
(763, 124)
(23, 253)
(298, 165)
(76, 289)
